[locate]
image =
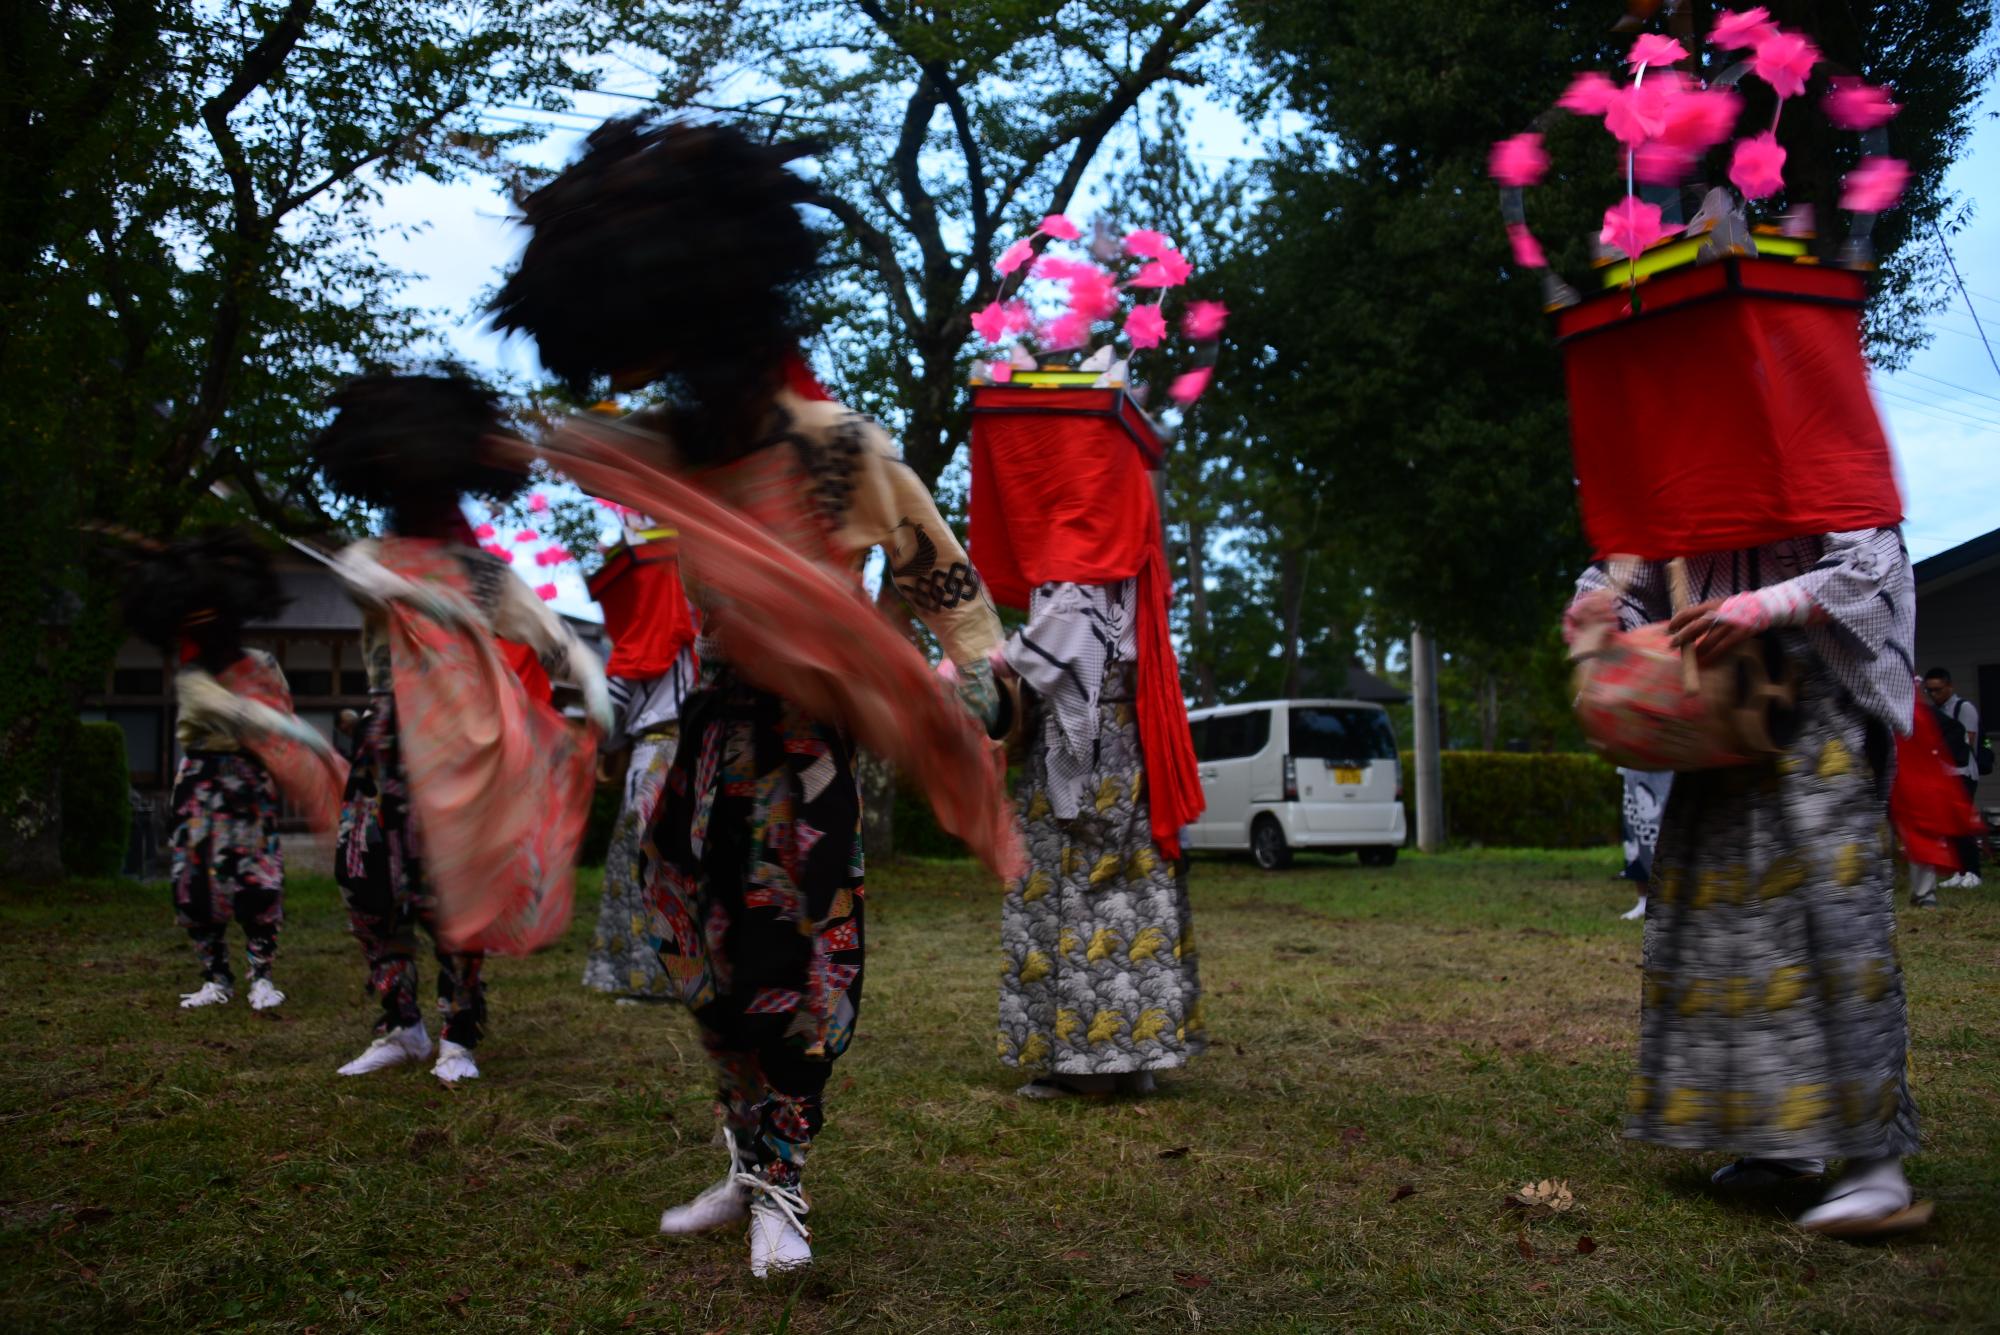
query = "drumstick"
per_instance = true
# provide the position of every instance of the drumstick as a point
(1680, 596)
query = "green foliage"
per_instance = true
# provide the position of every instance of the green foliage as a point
(1498, 799)
(96, 805)
(947, 131)
(187, 266)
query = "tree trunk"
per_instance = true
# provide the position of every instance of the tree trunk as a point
(1489, 712)
(1429, 762)
(1198, 629)
(1292, 589)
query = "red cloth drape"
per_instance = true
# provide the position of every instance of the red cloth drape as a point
(1729, 409)
(527, 665)
(646, 611)
(1062, 491)
(315, 780)
(1927, 802)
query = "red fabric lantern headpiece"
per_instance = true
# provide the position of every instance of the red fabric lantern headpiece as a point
(1062, 491)
(1724, 406)
(646, 611)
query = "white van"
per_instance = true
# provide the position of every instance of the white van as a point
(1280, 775)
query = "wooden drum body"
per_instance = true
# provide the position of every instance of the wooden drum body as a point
(1635, 707)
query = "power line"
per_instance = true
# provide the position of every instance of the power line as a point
(1970, 308)
(1962, 389)
(1938, 412)
(1970, 413)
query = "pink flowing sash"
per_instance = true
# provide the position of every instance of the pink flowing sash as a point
(500, 784)
(314, 779)
(806, 631)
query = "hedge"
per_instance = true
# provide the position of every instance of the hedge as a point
(1506, 799)
(96, 802)
(1498, 799)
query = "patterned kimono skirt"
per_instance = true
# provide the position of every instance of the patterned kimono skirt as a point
(227, 862)
(1773, 1021)
(623, 958)
(1098, 973)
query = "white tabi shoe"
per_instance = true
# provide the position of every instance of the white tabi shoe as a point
(725, 1203)
(1969, 881)
(1636, 912)
(210, 993)
(779, 1238)
(265, 996)
(454, 1063)
(1871, 1200)
(1754, 1173)
(408, 1044)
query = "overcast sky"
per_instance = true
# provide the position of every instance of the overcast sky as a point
(1943, 412)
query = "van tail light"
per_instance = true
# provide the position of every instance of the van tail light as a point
(1291, 779)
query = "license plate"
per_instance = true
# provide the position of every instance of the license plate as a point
(1346, 774)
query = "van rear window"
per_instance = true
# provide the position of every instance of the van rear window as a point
(1231, 736)
(1341, 734)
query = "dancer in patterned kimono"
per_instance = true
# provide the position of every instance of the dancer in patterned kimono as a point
(672, 255)
(1774, 1020)
(468, 796)
(652, 670)
(1639, 828)
(241, 746)
(1099, 985)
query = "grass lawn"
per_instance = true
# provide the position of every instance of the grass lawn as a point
(1394, 1051)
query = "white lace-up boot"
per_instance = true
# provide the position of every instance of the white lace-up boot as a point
(408, 1044)
(725, 1203)
(779, 1238)
(454, 1063)
(210, 993)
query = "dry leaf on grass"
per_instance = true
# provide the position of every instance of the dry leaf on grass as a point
(1548, 1194)
(1177, 1152)
(1524, 1247)
(1585, 1245)
(1188, 1279)
(1400, 1192)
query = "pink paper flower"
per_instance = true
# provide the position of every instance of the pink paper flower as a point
(495, 549)
(999, 372)
(1653, 49)
(553, 556)
(483, 532)
(1637, 113)
(990, 323)
(545, 592)
(1014, 257)
(1855, 104)
(1785, 61)
(1758, 167)
(1145, 326)
(1657, 162)
(1698, 121)
(1874, 185)
(1527, 250)
(1519, 161)
(1169, 270)
(1093, 295)
(1188, 387)
(1204, 319)
(1069, 330)
(1733, 32)
(1588, 94)
(1630, 226)
(1059, 227)
(537, 503)
(1150, 245)
(527, 535)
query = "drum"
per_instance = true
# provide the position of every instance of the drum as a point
(1633, 702)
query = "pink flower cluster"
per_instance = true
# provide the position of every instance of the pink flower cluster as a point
(1666, 121)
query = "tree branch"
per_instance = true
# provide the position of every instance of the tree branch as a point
(346, 170)
(883, 250)
(262, 61)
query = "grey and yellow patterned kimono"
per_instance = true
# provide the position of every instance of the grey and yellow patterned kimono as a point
(1773, 1020)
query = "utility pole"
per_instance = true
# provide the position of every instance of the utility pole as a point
(1430, 770)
